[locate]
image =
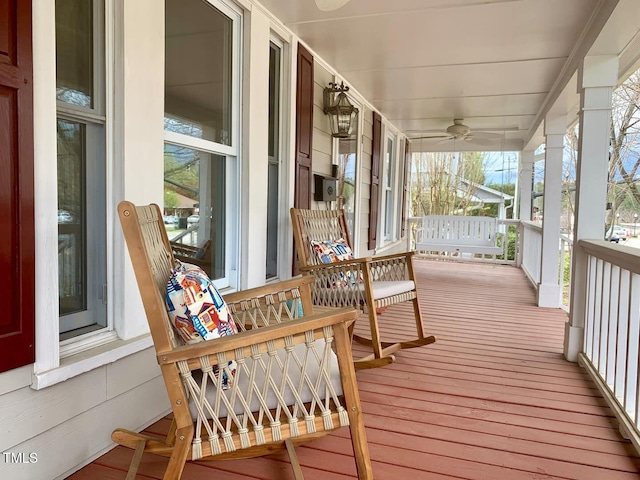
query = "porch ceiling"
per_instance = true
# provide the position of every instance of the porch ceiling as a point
(498, 64)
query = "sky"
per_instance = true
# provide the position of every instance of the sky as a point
(500, 167)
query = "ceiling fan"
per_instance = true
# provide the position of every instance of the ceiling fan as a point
(460, 131)
(329, 5)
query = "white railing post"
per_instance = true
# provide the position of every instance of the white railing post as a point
(597, 76)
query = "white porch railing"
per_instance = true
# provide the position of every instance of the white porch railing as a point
(564, 274)
(508, 239)
(612, 328)
(531, 250)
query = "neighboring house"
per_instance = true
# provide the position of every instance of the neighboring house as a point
(482, 195)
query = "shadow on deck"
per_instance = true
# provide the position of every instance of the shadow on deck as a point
(493, 398)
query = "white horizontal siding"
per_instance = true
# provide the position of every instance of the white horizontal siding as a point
(70, 422)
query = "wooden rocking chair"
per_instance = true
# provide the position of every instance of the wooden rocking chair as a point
(371, 283)
(294, 378)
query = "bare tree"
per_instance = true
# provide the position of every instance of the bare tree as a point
(438, 187)
(624, 160)
(624, 157)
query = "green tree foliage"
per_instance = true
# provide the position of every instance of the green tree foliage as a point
(170, 198)
(181, 174)
(491, 210)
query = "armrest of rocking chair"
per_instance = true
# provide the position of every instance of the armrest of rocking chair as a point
(273, 333)
(386, 267)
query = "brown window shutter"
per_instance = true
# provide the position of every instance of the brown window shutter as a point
(304, 128)
(304, 134)
(375, 180)
(17, 246)
(405, 186)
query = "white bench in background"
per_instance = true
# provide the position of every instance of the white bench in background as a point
(461, 234)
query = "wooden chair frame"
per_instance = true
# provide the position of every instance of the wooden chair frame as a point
(279, 333)
(396, 269)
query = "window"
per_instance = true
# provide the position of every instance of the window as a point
(347, 167)
(201, 122)
(273, 180)
(81, 166)
(388, 189)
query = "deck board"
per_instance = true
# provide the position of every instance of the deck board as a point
(493, 398)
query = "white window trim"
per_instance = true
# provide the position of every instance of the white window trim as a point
(396, 194)
(287, 145)
(283, 85)
(58, 361)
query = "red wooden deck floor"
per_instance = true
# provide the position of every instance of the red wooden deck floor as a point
(491, 399)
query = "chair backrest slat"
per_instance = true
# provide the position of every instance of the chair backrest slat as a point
(318, 225)
(152, 261)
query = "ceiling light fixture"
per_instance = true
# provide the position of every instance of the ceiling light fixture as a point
(342, 113)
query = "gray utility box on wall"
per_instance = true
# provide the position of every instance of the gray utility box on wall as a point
(325, 189)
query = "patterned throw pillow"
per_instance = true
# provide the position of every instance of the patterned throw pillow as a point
(196, 309)
(198, 312)
(329, 251)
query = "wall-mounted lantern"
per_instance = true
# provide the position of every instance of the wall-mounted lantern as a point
(342, 113)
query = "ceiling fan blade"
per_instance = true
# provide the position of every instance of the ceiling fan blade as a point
(488, 135)
(481, 140)
(432, 136)
(329, 5)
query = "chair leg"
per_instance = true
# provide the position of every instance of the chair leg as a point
(171, 434)
(135, 461)
(375, 332)
(353, 406)
(417, 313)
(184, 436)
(293, 458)
(383, 351)
(379, 357)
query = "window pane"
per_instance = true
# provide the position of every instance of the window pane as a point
(71, 217)
(388, 185)
(81, 227)
(74, 52)
(274, 161)
(198, 70)
(347, 162)
(272, 221)
(195, 207)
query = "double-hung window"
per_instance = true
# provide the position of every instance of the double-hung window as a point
(201, 123)
(274, 157)
(389, 189)
(81, 165)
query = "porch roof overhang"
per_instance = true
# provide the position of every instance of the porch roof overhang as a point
(501, 65)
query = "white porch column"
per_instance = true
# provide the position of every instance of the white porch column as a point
(549, 287)
(525, 180)
(596, 80)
